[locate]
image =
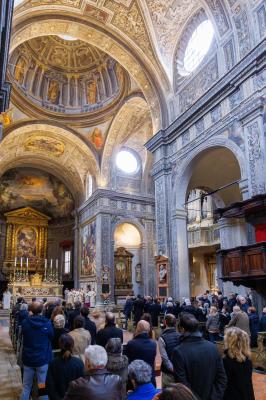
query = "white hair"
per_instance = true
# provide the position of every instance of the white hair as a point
(96, 356)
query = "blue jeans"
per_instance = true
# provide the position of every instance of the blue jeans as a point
(28, 376)
(214, 337)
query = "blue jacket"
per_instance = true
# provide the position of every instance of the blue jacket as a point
(263, 322)
(143, 392)
(37, 334)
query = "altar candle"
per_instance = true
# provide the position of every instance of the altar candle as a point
(27, 263)
(51, 264)
(15, 261)
(56, 265)
(45, 263)
(21, 262)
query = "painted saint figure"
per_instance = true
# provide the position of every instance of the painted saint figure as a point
(92, 93)
(53, 92)
(20, 71)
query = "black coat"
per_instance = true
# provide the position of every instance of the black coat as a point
(128, 308)
(198, 365)
(60, 374)
(254, 326)
(109, 332)
(142, 348)
(71, 318)
(239, 375)
(155, 311)
(138, 308)
(57, 333)
(91, 327)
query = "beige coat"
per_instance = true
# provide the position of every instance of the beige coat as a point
(241, 321)
(82, 339)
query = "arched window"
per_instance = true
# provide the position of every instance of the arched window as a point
(198, 46)
(89, 187)
(194, 44)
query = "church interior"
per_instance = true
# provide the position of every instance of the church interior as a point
(133, 148)
(120, 134)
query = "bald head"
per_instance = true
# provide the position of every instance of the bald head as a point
(36, 308)
(110, 318)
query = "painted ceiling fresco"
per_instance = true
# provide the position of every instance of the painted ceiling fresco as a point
(23, 187)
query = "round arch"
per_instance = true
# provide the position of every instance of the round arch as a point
(135, 223)
(53, 149)
(185, 170)
(144, 74)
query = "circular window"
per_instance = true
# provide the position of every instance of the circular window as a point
(198, 46)
(126, 162)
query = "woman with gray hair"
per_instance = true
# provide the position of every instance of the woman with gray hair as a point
(117, 363)
(140, 375)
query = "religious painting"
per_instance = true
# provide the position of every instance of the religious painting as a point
(120, 272)
(92, 93)
(88, 250)
(26, 245)
(162, 273)
(29, 187)
(45, 144)
(96, 137)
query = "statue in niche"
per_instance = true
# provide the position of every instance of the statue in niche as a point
(138, 272)
(92, 93)
(162, 273)
(53, 92)
(19, 73)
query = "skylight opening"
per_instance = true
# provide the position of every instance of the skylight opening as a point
(126, 162)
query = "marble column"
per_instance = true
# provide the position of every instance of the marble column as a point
(180, 257)
(75, 264)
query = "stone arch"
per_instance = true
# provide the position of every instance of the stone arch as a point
(135, 223)
(52, 148)
(185, 169)
(143, 72)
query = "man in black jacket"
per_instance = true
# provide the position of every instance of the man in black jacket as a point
(109, 331)
(73, 315)
(197, 363)
(168, 341)
(88, 324)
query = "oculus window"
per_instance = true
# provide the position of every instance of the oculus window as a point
(197, 47)
(127, 162)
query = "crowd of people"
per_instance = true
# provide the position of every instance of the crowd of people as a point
(75, 353)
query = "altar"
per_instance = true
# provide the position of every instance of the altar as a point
(35, 287)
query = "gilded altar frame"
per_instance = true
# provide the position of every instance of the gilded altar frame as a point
(16, 220)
